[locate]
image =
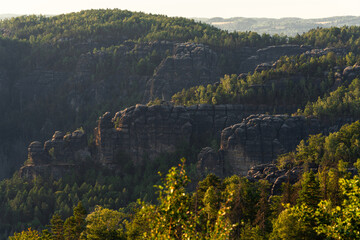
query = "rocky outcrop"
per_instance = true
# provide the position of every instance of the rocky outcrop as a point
(267, 56)
(191, 65)
(257, 140)
(141, 132)
(196, 64)
(276, 177)
(261, 138)
(209, 161)
(138, 134)
(316, 52)
(37, 154)
(351, 72)
(59, 155)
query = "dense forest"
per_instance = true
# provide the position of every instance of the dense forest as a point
(102, 60)
(321, 205)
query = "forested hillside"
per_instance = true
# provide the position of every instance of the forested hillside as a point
(144, 91)
(286, 26)
(72, 68)
(320, 205)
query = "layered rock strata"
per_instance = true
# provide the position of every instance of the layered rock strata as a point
(57, 156)
(191, 65)
(141, 132)
(259, 139)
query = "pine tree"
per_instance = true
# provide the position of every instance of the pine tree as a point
(75, 225)
(310, 190)
(57, 227)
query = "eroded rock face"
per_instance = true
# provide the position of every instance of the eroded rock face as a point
(191, 65)
(142, 133)
(276, 177)
(269, 55)
(259, 139)
(37, 154)
(209, 162)
(351, 72)
(58, 156)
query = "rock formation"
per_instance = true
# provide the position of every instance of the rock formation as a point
(142, 132)
(259, 139)
(57, 156)
(191, 65)
(276, 177)
(267, 56)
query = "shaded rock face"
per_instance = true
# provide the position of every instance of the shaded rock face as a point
(67, 148)
(191, 65)
(275, 176)
(37, 154)
(142, 132)
(56, 171)
(57, 156)
(118, 86)
(209, 161)
(261, 138)
(270, 54)
(139, 134)
(196, 64)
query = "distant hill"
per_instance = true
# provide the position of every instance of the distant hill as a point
(287, 26)
(5, 16)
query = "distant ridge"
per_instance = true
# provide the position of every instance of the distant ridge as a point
(287, 26)
(8, 15)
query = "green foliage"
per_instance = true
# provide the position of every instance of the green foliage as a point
(26, 235)
(341, 222)
(295, 223)
(57, 227)
(347, 36)
(310, 190)
(75, 225)
(60, 36)
(344, 101)
(104, 223)
(328, 151)
(232, 208)
(294, 81)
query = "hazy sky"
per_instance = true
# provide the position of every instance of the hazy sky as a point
(193, 8)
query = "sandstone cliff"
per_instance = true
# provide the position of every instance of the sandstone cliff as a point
(103, 80)
(260, 139)
(142, 132)
(191, 65)
(58, 156)
(138, 134)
